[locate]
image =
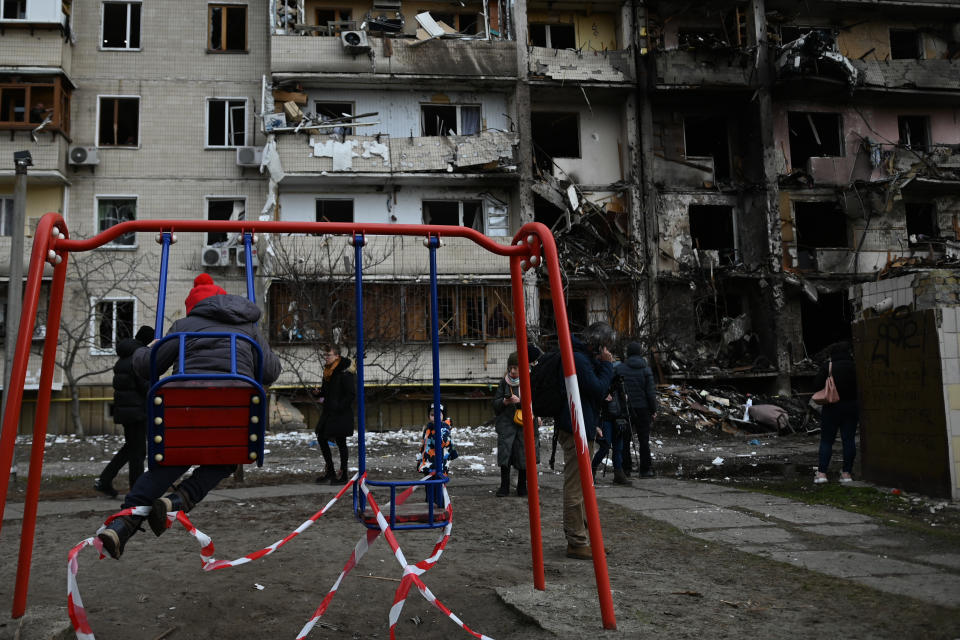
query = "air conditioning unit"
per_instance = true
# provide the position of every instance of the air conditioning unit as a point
(80, 155)
(242, 257)
(354, 41)
(212, 256)
(249, 156)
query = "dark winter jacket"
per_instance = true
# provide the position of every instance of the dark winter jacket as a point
(229, 314)
(844, 375)
(339, 392)
(593, 380)
(129, 389)
(638, 383)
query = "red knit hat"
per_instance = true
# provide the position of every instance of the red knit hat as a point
(203, 287)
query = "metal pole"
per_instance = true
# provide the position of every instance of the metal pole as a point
(11, 318)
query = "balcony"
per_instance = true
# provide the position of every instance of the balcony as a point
(681, 69)
(927, 75)
(49, 155)
(442, 58)
(21, 50)
(589, 66)
(486, 152)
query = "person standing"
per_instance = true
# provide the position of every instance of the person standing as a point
(129, 411)
(641, 395)
(841, 416)
(337, 393)
(592, 359)
(511, 451)
(613, 424)
(209, 309)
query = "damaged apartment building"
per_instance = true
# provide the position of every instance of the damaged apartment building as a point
(720, 177)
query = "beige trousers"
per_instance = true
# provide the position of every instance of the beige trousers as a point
(574, 515)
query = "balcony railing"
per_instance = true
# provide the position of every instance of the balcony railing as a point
(595, 66)
(691, 69)
(941, 75)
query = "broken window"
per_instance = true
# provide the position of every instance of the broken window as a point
(707, 136)
(914, 131)
(121, 25)
(813, 135)
(113, 321)
(228, 27)
(119, 122)
(26, 101)
(711, 228)
(825, 321)
(336, 15)
(576, 312)
(226, 122)
(921, 222)
(334, 210)
(906, 44)
(701, 39)
(555, 135)
(819, 225)
(454, 213)
(553, 36)
(6, 216)
(459, 22)
(308, 311)
(223, 209)
(14, 10)
(453, 119)
(112, 210)
(327, 111)
(466, 313)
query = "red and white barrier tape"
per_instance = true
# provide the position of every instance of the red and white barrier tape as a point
(78, 614)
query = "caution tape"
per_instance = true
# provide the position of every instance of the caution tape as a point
(411, 573)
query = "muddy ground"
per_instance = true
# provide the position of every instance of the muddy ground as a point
(665, 584)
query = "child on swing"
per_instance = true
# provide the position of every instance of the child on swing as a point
(426, 456)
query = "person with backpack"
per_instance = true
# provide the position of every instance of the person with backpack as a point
(613, 422)
(641, 400)
(593, 363)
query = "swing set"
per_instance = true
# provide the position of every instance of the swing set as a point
(221, 418)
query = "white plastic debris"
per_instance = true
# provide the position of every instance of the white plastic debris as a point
(259, 587)
(717, 461)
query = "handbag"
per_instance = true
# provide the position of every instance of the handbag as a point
(827, 395)
(518, 414)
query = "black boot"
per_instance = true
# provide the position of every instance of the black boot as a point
(341, 478)
(106, 488)
(620, 478)
(504, 489)
(522, 482)
(175, 501)
(328, 476)
(115, 536)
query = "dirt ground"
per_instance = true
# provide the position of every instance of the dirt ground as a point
(664, 583)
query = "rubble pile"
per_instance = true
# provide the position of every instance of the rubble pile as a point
(717, 411)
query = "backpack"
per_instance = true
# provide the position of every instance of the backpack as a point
(547, 386)
(617, 406)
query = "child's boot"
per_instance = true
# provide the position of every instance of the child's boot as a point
(175, 501)
(522, 482)
(115, 536)
(504, 489)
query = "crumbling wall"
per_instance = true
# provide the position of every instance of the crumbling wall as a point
(676, 250)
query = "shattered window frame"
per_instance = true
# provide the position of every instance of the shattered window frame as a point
(703, 216)
(459, 125)
(807, 248)
(322, 202)
(112, 319)
(225, 41)
(920, 218)
(467, 314)
(111, 210)
(548, 35)
(809, 125)
(131, 28)
(110, 105)
(906, 134)
(212, 202)
(231, 106)
(324, 117)
(479, 214)
(898, 45)
(340, 14)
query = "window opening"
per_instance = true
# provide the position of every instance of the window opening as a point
(331, 111)
(226, 123)
(553, 36)
(334, 210)
(921, 222)
(113, 211)
(113, 322)
(228, 28)
(454, 213)
(119, 122)
(121, 25)
(6, 216)
(914, 131)
(707, 136)
(443, 120)
(819, 225)
(555, 135)
(223, 209)
(711, 229)
(693, 39)
(826, 321)
(906, 44)
(325, 16)
(546, 212)
(813, 135)
(14, 10)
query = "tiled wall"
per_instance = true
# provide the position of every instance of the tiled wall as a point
(949, 337)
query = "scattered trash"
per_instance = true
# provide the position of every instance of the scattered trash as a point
(717, 461)
(259, 587)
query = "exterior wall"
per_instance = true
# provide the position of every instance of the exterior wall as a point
(42, 48)
(601, 143)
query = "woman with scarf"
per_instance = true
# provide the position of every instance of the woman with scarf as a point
(336, 416)
(509, 426)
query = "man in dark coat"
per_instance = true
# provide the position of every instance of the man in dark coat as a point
(592, 359)
(209, 309)
(337, 394)
(129, 411)
(642, 399)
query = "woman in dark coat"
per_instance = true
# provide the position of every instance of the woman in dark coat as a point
(510, 445)
(841, 416)
(337, 394)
